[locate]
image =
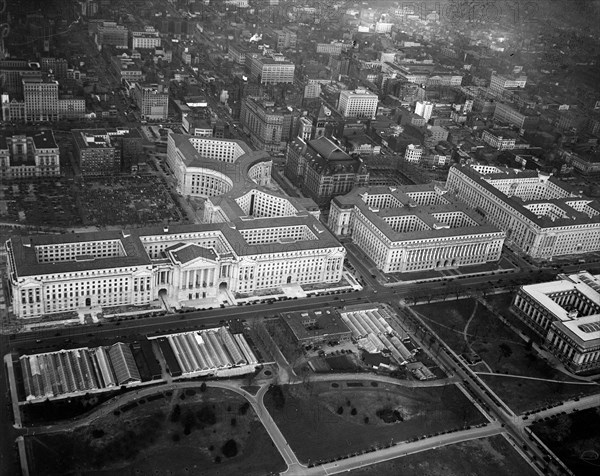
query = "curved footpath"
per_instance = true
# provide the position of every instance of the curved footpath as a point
(294, 467)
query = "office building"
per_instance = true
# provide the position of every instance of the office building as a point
(205, 167)
(41, 100)
(57, 67)
(500, 139)
(152, 100)
(566, 314)
(538, 213)
(413, 153)
(13, 72)
(95, 153)
(258, 247)
(23, 156)
(359, 103)
(145, 40)
(108, 33)
(424, 109)
(269, 126)
(272, 69)
(524, 119)
(500, 82)
(323, 169)
(414, 228)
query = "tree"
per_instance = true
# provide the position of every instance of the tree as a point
(176, 413)
(203, 387)
(340, 410)
(229, 449)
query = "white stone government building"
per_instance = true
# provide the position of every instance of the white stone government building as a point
(414, 228)
(254, 240)
(566, 314)
(538, 213)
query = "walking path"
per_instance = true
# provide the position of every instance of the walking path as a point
(537, 378)
(465, 334)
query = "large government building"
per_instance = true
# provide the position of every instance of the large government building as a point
(537, 212)
(566, 314)
(253, 240)
(414, 228)
(205, 167)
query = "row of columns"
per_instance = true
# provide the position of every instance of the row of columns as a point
(197, 278)
(448, 252)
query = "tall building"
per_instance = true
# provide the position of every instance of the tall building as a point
(108, 33)
(24, 156)
(414, 228)
(13, 71)
(566, 314)
(271, 70)
(147, 39)
(499, 82)
(539, 215)
(41, 100)
(524, 119)
(424, 109)
(269, 126)
(95, 153)
(359, 103)
(254, 240)
(323, 169)
(152, 100)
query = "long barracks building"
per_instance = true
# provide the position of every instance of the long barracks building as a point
(414, 228)
(537, 212)
(257, 240)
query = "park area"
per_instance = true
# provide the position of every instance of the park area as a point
(484, 456)
(169, 433)
(119, 200)
(574, 438)
(325, 420)
(513, 369)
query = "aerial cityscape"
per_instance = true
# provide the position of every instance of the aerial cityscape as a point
(299, 237)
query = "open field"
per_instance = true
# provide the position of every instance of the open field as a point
(575, 439)
(480, 457)
(171, 433)
(119, 200)
(325, 420)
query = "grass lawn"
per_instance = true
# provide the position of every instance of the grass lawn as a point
(480, 457)
(503, 351)
(497, 344)
(522, 395)
(164, 436)
(575, 439)
(325, 420)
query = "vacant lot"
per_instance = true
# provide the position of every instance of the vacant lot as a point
(126, 201)
(481, 457)
(215, 431)
(574, 438)
(324, 420)
(116, 200)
